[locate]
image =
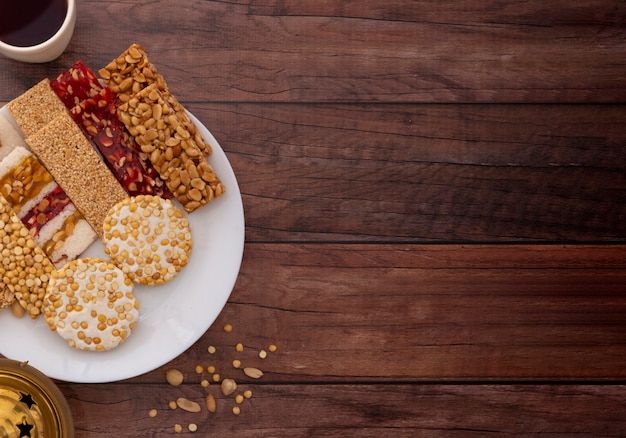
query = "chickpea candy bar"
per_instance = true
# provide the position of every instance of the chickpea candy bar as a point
(90, 304)
(149, 238)
(25, 270)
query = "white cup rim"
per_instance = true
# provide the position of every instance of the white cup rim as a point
(67, 22)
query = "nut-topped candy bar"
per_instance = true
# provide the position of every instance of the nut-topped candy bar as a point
(42, 205)
(25, 270)
(76, 166)
(161, 134)
(131, 72)
(93, 108)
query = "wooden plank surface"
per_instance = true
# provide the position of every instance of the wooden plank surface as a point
(462, 51)
(360, 410)
(435, 214)
(411, 313)
(415, 173)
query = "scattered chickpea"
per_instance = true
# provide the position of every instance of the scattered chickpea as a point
(210, 369)
(272, 348)
(236, 410)
(192, 427)
(239, 399)
(247, 393)
(239, 347)
(204, 383)
(211, 349)
(216, 377)
(228, 328)
(199, 369)
(178, 428)
(152, 413)
(172, 404)
(236, 363)
(262, 354)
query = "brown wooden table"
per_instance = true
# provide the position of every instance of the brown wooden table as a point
(435, 202)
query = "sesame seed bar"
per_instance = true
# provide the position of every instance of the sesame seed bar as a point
(77, 168)
(36, 107)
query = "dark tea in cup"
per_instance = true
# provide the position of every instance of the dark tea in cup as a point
(25, 23)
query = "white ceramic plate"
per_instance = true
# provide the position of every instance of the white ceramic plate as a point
(173, 316)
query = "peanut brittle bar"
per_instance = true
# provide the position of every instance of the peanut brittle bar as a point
(161, 134)
(131, 72)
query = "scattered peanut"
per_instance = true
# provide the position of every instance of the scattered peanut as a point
(178, 428)
(152, 413)
(188, 405)
(253, 373)
(174, 377)
(228, 386)
(17, 309)
(210, 403)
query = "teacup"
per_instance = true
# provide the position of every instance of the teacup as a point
(28, 43)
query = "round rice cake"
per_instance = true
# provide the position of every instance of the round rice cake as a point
(90, 303)
(148, 237)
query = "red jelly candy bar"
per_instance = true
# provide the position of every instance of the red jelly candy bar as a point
(76, 84)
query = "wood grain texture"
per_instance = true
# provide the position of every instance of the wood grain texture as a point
(279, 51)
(414, 173)
(361, 410)
(435, 214)
(385, 313)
